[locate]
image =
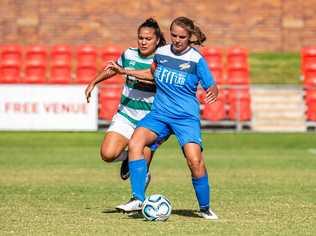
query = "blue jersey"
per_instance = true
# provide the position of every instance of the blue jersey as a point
(177, 78)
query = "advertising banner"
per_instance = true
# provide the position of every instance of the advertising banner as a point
(47, 107)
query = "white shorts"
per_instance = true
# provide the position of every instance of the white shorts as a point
(122, 126)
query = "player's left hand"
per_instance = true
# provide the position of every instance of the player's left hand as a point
(211, 94)
(88, 91)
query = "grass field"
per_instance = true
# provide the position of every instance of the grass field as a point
(275, 68)
(56, 184)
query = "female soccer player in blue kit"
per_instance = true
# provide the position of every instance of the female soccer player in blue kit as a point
(177, 69)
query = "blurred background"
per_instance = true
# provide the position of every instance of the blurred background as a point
(263, 25)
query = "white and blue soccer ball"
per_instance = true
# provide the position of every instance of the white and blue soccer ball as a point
(156, 207)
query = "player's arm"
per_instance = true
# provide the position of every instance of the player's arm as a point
(142, 75)
(207, 81)
(103, 75)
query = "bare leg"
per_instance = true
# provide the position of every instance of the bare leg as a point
(112, 146)
(141, 137)
(200, 182)
(194, 159)
(148, 154)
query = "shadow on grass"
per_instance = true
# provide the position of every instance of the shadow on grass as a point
(185, 212)
(135, 214)
(110, 210)
(179, 212)
(138, 214)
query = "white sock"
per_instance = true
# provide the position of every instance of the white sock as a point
(123, 156)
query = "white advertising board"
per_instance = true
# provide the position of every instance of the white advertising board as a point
(47, 107)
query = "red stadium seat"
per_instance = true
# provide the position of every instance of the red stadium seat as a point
(34, 73)
(237, 55)
(310, 100)
(11, 53)
(311, 113)
(61, 54)
(85, 73)
(308, 57)
(87, 55)
(60, 73)
(213, 55)
(36, 54)
(109, 99)
(310, 95)
(235, 94)
(237, 74)
(110, 52)
(240, 111)
(215, 111)
(217, 72)
(10, 72)
(310, 75)
(239, 104)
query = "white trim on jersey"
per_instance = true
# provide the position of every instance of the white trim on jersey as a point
(193, 56)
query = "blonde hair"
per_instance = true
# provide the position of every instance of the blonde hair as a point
(192, 29)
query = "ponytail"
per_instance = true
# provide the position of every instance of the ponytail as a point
(200, 36)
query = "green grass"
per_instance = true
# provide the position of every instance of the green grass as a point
(275, 68)
(56, 184)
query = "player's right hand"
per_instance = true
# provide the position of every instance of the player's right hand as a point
(115, 67)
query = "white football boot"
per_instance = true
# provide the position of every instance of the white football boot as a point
(133, 204)
(208, 214)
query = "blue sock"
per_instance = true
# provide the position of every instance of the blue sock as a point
(202, 191)
(138, 172)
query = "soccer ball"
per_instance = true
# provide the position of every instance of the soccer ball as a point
(156, 208)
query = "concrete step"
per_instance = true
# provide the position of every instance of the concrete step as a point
(287, 92)
(278, 107)
(279, 128)
(273, 114)
(277, 122)
(277, 99)
(277, 115)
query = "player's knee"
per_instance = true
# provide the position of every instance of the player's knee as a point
(107, 154)
(196, 164)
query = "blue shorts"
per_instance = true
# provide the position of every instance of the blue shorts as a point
(162, 137)
(187, 130)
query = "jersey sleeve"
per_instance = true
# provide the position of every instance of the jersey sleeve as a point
(120, 60)
(204, 74)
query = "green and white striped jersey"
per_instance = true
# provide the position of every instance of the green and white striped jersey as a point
(137, 97)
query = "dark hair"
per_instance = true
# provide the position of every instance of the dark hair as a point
(152, 23)
(193, 29)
